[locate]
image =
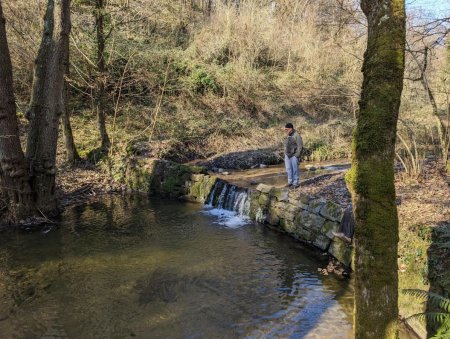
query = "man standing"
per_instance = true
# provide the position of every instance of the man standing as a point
(292, 149)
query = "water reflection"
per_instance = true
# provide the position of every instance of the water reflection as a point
(125, 267)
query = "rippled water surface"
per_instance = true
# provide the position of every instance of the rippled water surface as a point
(134, 267)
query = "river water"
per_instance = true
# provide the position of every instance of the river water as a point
(137, 267)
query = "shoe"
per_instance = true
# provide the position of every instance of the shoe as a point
(296, 186)
(288, 186)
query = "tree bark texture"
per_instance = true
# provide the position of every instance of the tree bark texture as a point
(46, 106)
(14, 179)
(371, 178)
(101, 74)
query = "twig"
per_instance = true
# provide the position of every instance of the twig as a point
(45, 217)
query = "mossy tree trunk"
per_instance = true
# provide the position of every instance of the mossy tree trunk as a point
(14, 178)
(371, 178)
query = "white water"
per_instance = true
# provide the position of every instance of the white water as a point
(231, 207)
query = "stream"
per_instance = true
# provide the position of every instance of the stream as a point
(142, 267)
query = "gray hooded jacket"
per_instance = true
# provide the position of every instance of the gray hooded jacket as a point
(293, 145)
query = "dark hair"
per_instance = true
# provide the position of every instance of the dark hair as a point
(289, 125)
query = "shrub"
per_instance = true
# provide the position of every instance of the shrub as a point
(200, 81)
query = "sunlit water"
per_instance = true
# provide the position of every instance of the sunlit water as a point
(133, 267)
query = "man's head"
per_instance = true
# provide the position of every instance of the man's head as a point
(289, 128)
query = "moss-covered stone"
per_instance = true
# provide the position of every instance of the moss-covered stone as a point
(281, 195)
(287, 226)
(303, 233)
(160, 177)
(290, 212)
(197, 177)
(263, 201)
(263, 188)
(329, 227)
(200, 187)
(341, 251)
(321, 241)
(274, 212)
(332, 211)
(299, 199)
(253, 196)
(315, 205)
(272, 219)
(137, 174)
(309, 220)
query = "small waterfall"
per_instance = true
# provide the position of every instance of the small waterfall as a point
(231, 198)
(212, 194)
(222, 196)
(230, 203)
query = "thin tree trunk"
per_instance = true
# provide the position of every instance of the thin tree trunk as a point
(101, 70)
(371, 178)
(71, 150)
(444, 137)
(442, 129)
(14, 178)
(46, 106)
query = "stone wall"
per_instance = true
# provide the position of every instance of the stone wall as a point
(306, 218)
(163, 178)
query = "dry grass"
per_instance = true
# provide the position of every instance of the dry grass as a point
(234, 77)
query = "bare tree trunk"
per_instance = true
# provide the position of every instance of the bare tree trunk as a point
(46, 106)
(209, 7)
(101, 70)
(71, 150)
(14, 178)
(371, 178)
(442, 129)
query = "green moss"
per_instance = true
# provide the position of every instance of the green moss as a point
(141, 180)
(254, 203)
(371, 179)
(201, 189)
(341, 251)
(263, 200)
(288, 226)
(329, 227)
